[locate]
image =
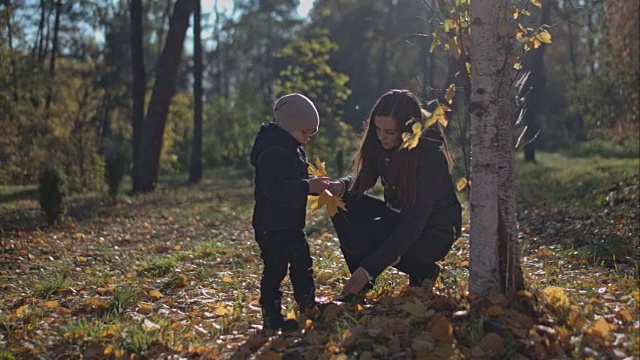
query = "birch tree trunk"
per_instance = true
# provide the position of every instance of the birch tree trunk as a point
(494, 251)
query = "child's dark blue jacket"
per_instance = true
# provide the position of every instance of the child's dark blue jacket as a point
(281, 180)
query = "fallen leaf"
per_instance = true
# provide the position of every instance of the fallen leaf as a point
(492, 344)
(624, 315)
(416, 309)
(51, 304)
(556, 297)
(441, 328)
(145, 308)
(544, 251)
(155, 295)
(22, 311)
(600, 328)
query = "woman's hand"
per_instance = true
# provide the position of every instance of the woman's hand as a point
(337, 188)
(356, 283)
(318, 184)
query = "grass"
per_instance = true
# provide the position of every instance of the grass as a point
(157, 267)
(57, 279)
(588, 203)
(176, 273)
(577, 184)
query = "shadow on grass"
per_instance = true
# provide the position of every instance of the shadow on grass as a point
(26, 194)
(20, 210)
(31, 218)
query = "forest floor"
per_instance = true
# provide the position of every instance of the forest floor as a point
(174, 275)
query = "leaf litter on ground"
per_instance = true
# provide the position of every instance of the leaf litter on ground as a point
(177, 273)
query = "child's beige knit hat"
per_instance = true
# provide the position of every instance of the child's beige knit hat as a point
(296, 112)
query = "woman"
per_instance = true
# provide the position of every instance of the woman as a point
(420, 216)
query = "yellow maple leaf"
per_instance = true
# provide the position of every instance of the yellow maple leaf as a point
(440, 115)
(411, 140)
(556, 297)
(319, 170)
(544, 36)
(326, 198)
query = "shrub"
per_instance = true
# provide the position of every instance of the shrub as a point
(52, 194)
(116, 164)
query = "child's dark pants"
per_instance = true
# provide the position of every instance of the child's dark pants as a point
(281, 251)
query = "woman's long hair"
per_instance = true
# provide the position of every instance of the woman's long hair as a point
(406, 109)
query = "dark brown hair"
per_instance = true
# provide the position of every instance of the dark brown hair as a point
(406, 109)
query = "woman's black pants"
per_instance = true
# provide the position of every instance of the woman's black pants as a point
(368, 222)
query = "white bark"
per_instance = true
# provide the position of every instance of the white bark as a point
(494, 261)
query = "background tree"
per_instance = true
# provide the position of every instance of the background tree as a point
(138, 87)
(146, 174)
(195, 165)
(306, 70)
(535, 88)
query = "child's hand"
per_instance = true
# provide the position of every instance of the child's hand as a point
(318, 184)
(337, 188)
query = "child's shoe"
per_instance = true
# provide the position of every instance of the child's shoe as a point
(272, 318)
(279, 323)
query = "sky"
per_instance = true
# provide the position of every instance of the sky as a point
(207, 5)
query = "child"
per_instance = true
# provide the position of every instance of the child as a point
(282, 184)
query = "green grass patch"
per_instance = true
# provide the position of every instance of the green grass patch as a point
(158, 267)
(57, 279)
(558, 181)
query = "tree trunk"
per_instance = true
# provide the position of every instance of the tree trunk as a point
(54, 53)
(494, 251)
(12, 57)
(163, 91)
(37, 45)
(536, 81)
(195, 166)
(138, 86)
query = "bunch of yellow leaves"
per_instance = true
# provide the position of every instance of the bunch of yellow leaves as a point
(326, 198)
(411, 140)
